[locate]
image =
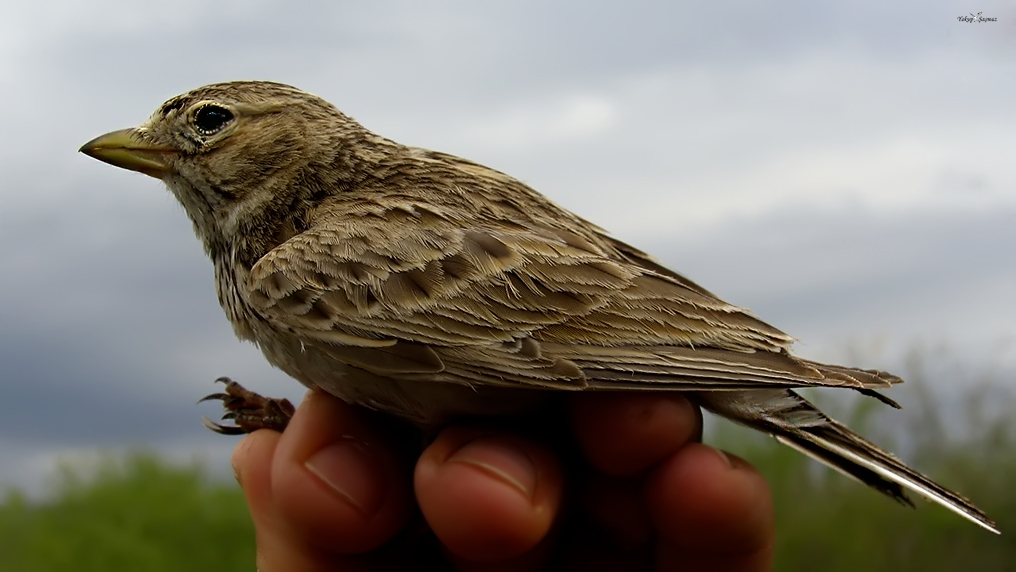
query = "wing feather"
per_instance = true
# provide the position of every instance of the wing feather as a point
(432, 300)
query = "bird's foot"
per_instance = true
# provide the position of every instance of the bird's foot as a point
(247, 410)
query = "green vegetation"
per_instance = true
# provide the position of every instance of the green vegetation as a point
(830, 523)
(964, 437)
(140, 513)
(137, 514)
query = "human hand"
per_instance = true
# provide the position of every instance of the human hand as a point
(336, 492)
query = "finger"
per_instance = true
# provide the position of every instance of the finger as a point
(488, 495)
(330, 485)
(277, 548)
(623, 434)
(252, 465)
(713, 511)
(338, 479)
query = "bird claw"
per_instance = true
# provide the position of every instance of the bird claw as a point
(248, 410)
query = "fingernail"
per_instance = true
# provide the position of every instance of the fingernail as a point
(238, 456)
(680, 402)
(723, 457)
(501, 461)
(351, 469)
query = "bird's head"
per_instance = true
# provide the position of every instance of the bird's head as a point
(231, 152)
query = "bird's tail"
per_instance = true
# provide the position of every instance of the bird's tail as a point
(794, 421)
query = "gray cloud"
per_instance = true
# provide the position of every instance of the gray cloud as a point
(833, 276)
(844, 171)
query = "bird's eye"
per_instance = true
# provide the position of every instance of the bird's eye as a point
(212, 118)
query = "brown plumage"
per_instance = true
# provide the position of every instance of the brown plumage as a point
(431, 287)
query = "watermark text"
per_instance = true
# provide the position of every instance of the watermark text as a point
(978, 18)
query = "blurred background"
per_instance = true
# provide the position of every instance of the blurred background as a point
(845, 170)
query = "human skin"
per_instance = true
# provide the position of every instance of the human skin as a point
(338, 490)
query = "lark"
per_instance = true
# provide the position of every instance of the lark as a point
(431, 287)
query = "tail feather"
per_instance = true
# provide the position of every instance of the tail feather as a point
(818, 449)
(797, 423)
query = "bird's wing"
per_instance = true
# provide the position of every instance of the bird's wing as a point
(647, 262)
(410, 293)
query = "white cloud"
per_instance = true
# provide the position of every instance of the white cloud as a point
(543, 123)
(697, 145)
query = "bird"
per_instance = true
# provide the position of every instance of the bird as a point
(431, 287)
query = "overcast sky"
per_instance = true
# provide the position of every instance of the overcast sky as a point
(846, 171)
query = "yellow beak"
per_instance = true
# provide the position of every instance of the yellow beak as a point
(123, 149)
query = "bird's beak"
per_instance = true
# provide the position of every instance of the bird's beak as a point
(124, 149)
